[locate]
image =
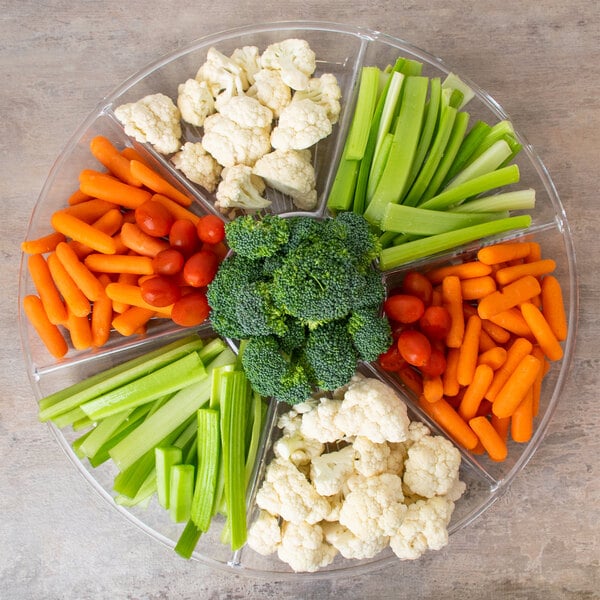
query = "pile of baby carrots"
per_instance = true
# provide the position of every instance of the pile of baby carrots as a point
(505, 324)
(87, 271)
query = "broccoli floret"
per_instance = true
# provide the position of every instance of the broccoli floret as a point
(371, 333)
(294, 336)
(257, 237)
(369, 291)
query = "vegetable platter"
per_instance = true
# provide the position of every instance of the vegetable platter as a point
(334, 157)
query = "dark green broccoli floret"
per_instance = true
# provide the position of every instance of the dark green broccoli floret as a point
(302, 230)
(371, 333)
(255, 237)
(369, 291)
(294, 336)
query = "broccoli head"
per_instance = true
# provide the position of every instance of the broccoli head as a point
(371, 333)
(369, 291)
(254, 237)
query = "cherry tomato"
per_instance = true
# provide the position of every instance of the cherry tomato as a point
(391, 359)
(435, 322)
(436, 364)
(200, 268)
(414, 347)
(183, 236)
(416, 284)
(219, 249)
(404, 308)
(211, 229)
(160, 291)
(154, 218)
(191, 309)
(168, 262)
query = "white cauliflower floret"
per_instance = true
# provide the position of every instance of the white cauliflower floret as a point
(417, 431)
(323, 90)
(329, 472)
(270, 90)
(300, 450)
(195, 102)
(424, 528)
(372, 409)
(372, 458)
(431, 468)
(154, 119)
(246, 112)
(290, 422)
(319, 423)
(335, 504)
(231, 144)
(396, 458)
(286, 492)
(351, 546)
(198, 165)
(222, 75)
(264, 535)
(240, 188)
(303, 547)
(248, 59)
(295, 60)
(301, 125)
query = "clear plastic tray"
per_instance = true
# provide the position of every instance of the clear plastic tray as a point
(341, 50)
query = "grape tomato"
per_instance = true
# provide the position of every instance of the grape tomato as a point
(414, 347)
(160, 291)
(211, 229)
(183, 236)
(200, 268)
(404, 308)
(191, 309)
(168, 262)
(435, 322)
(417, 284)
(154, 218)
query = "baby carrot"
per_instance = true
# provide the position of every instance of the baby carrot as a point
(433, 388)
(452, 299)
(536, 268)
(520, 348)
(176, 210)
(503, 252)
(90, 210)
(542, 331)
(447, 418)
(553, 307)
(513, 391)
(521, 422)
(132, 154)
(76, 197)
(107, 154)
(74, 298)
(48, 332)
(537, 384)
(475, 288)
(43, 244)
(132, 320)
(475, 391)
(80, 331)
(494, 445)
(493, 358)
(411, 379)
(535, 252)
(119, 263)
(497, 333)
(512, 321)
(464, 270)
(106, 187)
(132, 295)
(511, 295)
(152, 180)
(450, 383)
(47, 290)
(82, 232)
(87, 282)
(140, 242)
(469, 350)
(501, 425)
(102, 315)
(485, 342)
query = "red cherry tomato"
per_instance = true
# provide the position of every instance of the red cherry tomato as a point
(211, 229)
(160, 291)
(391, 359)
(435, 322)
(436, 364)
(200, 268)
(168, 262)
(414, 347)
(183, 236)
(154, 218)
(416, 284)
(191, 309)
(219, 249)
(404, 308)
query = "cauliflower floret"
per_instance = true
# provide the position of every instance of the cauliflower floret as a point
(349, 545)
(372, 458)
(373, 409)
(304, 548)
(286, 492)
(300, 450)
(195, 102)
(222, 75)
(301, 125)
(240, 188)
(248, 59)
(264, 535)
(424, 528)
(416, 431)
(396, 458)
(335, 504)
(270, 90)
(295, 60)
(329, 472)
(231, 144)
(431, 468)
(290, 172)
(290, 422)
(246, 112)
(154, 119)
(198, 165)
(323, 90)
(319, 423)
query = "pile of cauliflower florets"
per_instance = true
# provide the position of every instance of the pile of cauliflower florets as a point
(260, 115)
(352, 474)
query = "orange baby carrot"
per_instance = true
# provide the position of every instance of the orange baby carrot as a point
(475, 391)
(542, 331)
(464, 270)
(485, 342)
(520, 348)
(82, 232)
(513, 391)
(43, 244)
(80, 331)
(535, 252)
(494, 357)
(48, 332)
(536, 268)
(152, 180)
(102, 315)
(503, 252)
(495, 331)
(47, 290)
(77, 196)
(132, 320)
(106, 187)
(553, 307)
(90, 210)
(512, 321)
(433, 388)
(511, 295)
(132, 154)
(501, 425)
(140, 242)
(521, 422)
(469, 350)
(537, 384)
(450, 383)
(492, 442)
(85, 280)
(74, 298)
(445, 416)
(132, 295)
(124, 278)
(452, 299)
(107, 154)
(475, 288)
(178, 211)
(119, 263)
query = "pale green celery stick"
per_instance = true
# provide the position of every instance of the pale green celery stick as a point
(517, 200)
(454, 82)
(103, 432)
(498, 132)
(395, 256)
(143, 496)
(344, 184)
(105, 381)
(389, 109)
(216, 383)
(469, 144)
(473, 187)
(386, 239)
(488, 161)
(188, 540)
(165, 457)
(69, 417)
(177, 410)
(172, 377)
(211, 350)
(78, 442)
(378, 165)
(421, 221)
(181, 490)
(392, 185)
(410, 67)
(256, 431)
(82, 423)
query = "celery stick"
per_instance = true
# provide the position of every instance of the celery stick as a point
(454, 82)
(181, 490)
(143, 496)
(170, 378)
(499, 131)
(344, 183)
(473, 187)
(82, 423)
(188, 540)
(469, 144)
(255, 434)
(165, 457)
(76, 445)
(103, 431)
(211, 350)
(69, 417)
(399, 255)
(386, 238)
(378, 165)
(517, 200)
(389, 109)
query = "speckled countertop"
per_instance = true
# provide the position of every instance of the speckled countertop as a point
(541, 540)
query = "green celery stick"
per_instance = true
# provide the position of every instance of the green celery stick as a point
(188, 540)
(82, 423)
(386, 238)
(181, 490)
(469, 144)
(377, 166)
(454, 83)
(211, 350)
(255, 434)
(165, 457)
(517, 200)
(498, 132)
(395, 256)
(103, 431)
(143, 496)
(69, 417)
(344, 184)
(76, 445)
(389, 108)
